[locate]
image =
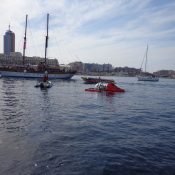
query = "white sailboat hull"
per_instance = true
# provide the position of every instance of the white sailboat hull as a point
(16, 74)
(147, 78)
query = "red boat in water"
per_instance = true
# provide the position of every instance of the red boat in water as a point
(105, 87)
(94, 80)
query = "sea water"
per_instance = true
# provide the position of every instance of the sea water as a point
(67, 131)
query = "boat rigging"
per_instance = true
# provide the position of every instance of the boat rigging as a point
(146, 76)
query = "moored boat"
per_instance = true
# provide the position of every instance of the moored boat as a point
(148, 78)
(94, 80)
(25, 70)
(35, 74)
(145, 76)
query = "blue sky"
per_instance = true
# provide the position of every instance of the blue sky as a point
(98, 31)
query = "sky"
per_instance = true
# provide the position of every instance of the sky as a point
(95, 31)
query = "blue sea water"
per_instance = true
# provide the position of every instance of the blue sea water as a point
(67, 131)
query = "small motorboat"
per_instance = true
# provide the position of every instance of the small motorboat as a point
(105, 87)
(45, 83)
(42, 84)
(94, 80)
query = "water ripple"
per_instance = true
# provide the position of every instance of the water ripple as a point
(65, 130)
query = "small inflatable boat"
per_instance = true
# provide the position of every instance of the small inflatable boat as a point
(42, 84)
(105, 87)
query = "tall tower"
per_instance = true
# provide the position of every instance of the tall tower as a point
(9, 42)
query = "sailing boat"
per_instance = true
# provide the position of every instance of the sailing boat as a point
(146, 76)
(31, 71)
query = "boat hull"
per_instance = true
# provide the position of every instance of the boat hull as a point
(92, 80)
(147, 78)
(105, 87)
(47, 84)
(97, 90)
(35, 75)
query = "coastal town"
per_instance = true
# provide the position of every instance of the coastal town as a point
(110, 70)
(10, 58)
(83, 68)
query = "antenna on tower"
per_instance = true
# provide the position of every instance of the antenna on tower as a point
(9, 26)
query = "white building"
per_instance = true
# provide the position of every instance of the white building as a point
(15, 58)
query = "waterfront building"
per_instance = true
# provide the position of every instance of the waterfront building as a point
(17, 59)
(77, 65)
(9, 42)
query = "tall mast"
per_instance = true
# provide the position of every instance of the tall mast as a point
(46, 44)
(24, 46)
(146, 57)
